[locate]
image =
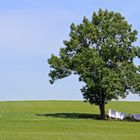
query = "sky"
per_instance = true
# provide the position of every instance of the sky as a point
(31, 30)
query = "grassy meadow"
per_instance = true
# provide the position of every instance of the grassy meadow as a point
(64, 120)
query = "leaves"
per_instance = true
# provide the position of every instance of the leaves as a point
(101, 52)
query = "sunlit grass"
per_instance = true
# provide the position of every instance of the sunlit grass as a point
(64, 120)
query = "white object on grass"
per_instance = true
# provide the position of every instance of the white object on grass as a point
(136, 116)
(116, 115)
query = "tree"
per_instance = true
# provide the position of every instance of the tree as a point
(101, 53)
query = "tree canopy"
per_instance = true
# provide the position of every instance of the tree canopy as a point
(101, 52)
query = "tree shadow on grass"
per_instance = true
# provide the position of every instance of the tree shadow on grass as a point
(72, 115)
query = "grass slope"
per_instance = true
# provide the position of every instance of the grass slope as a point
(64, 120)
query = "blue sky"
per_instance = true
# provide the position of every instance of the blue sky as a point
(30, 30)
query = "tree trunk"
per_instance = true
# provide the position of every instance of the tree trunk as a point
(102, 110)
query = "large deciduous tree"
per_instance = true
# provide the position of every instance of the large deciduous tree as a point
(101, 52)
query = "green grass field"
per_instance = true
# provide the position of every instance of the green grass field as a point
(64, 120)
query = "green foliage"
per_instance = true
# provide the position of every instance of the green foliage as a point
(101, 52)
